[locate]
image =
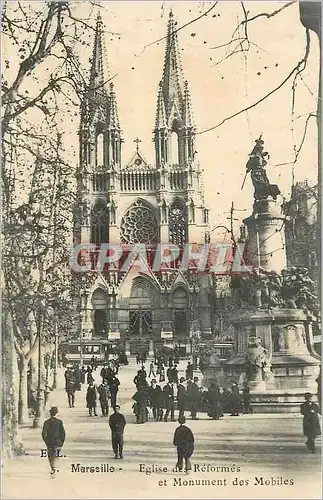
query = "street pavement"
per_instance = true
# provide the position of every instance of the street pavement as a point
(250, 456)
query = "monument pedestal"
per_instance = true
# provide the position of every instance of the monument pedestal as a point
(290, 371)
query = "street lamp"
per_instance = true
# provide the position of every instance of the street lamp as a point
(39, 404)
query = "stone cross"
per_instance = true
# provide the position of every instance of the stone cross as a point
(137, 141)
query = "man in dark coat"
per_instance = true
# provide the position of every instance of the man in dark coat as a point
(103, 398)
(319, 388)
(117, 423)
(175, 374)
(235, 400)
(169, 401)
(181, 397)
(156, 400)
(189, 371)
(70, 391)
(91, 399)
(114, 388)
(193, 396)
(246, 398)
(214, 400)
(54, 436)
(311, 423)
(184, 442)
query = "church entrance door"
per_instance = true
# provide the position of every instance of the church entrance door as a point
(140, 322)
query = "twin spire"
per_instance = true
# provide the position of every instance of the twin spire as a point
(173, 102)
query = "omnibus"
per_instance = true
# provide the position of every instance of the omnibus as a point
(75, 351)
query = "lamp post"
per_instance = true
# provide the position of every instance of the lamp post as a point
(39, 405)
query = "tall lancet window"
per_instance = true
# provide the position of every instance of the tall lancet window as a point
(174, 148)
(178, 223)
(99, 223)
(99, 150)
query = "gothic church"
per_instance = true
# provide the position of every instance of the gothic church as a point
(141, 202)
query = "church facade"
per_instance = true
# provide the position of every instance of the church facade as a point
(141, 202)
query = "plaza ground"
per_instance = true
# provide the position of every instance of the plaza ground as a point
(268, 450)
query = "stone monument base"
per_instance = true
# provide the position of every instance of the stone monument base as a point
(278, 401)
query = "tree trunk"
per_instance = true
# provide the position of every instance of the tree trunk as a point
(11, 443)
(23, 392)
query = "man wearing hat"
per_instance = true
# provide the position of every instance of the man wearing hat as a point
(311, 422)
(184, 442)
(117, 424)
(181, 397)
(54, 436)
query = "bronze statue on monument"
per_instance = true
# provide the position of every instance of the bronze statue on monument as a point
(256, 165)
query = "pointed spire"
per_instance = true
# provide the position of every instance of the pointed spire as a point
(113, 115)
(172, 79)
(161, 114)
(97, 77)
(187, 109)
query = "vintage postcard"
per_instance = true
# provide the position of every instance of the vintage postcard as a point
(161, 249)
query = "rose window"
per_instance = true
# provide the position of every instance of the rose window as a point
(139, 225)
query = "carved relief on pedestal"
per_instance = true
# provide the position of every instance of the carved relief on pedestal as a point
(257, 364)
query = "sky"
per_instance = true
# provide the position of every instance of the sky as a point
(218, 89)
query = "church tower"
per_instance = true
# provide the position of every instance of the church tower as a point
(181, 184)
(143, 202)
(100, 151)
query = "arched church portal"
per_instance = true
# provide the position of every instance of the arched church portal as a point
(142, 303)
(100, 305)
(180, 304)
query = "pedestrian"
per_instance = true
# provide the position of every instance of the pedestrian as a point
(54, 436)
(193, 396)
(175, 374)
(319, 388)
(91, 399)
(169, 401)
(156, 400)
(235, 400)
(103, 398)
(246, 398)
(70, 387)
(77, 378)
(141, 398)
(68, 375)
(214, 401)
(114, 388)
(181, 397)
(89, 376)
(83, 373)
(151, 370)
(117, 423)
(311, 423)
(189, 371)
(184, 442)
(162, 374)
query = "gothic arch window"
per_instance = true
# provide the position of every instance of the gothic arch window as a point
(100, 150)
(99, 223)
(139, 224)
(178, 223)
(174, 148)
